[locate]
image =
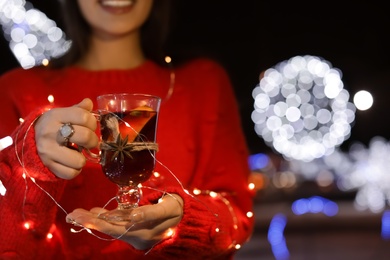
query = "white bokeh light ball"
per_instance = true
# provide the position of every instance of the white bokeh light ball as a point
(301, 108)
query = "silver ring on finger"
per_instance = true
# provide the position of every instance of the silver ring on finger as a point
(66, 132)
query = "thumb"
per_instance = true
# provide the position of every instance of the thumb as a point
(86, 104)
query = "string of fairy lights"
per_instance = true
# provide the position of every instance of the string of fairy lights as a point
(34, 39)
(301, 110)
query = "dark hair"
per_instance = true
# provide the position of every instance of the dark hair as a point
(154, 32)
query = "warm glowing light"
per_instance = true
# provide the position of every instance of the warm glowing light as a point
(363, 100)
(217, 230)
(169, 233)
(27, 225)
(249, 214)
(213, 194)
(325, 178)
(50, 98)
(45, 62)
(21, 120)
(256, 181)
(286, 179)
(238, 246)
(49, 236)
(156, 174)
(196, 192)
(168, 59)
(5, 142)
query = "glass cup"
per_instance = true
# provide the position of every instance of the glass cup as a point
(128, 125)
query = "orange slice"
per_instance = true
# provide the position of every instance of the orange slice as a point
(134, 121)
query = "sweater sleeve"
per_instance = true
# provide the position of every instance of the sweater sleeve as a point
(215, 222)
(29, 189)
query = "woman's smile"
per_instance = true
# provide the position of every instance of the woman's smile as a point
(117, 6)
(108, 18)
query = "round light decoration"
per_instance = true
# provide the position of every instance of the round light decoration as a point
(301, 108)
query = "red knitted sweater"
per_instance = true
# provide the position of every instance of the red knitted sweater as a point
(200, 143)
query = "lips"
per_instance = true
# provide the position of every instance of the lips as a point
(117, 3)
(117, 6)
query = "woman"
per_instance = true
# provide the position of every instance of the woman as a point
(54, 194)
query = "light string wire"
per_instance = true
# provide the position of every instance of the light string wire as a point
(147, 147)
(20, 158)
(25, 172)
(198, 192)
(172, 79)
(21, 162)
(210, 193)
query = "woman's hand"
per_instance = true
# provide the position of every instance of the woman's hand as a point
(64, 162)
(149, 224)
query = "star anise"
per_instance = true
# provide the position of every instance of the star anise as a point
(120, 148)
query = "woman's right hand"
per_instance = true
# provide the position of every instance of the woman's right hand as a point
(64, 162)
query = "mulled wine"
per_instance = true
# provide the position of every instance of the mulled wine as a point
(128, 145)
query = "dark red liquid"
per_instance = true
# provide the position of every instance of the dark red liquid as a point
(139, 167)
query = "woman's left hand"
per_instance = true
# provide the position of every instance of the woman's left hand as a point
(149, 224)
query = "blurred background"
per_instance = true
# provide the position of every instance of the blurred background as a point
(311, 81)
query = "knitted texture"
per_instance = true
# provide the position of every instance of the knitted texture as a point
(201, 144)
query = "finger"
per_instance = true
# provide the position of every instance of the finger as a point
(82, 136)
(86, 104)
(52, 151)
(69, 158)
(65, 163)
(90, 220)
(148, 213)
(98, 210)
(62, 171)
(77, 116)
(85, 218)
(168, 207)
(90, 119)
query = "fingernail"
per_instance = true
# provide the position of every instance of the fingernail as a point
(137, 217)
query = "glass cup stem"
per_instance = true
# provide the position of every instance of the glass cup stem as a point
(128, 198)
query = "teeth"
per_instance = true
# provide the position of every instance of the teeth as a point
(114, 3)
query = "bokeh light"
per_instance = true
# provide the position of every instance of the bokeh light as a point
(33, 37)
(315, 204)
(363, 100)
(276, 237)
(5, 142)
(301, 108)
(369, 175)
